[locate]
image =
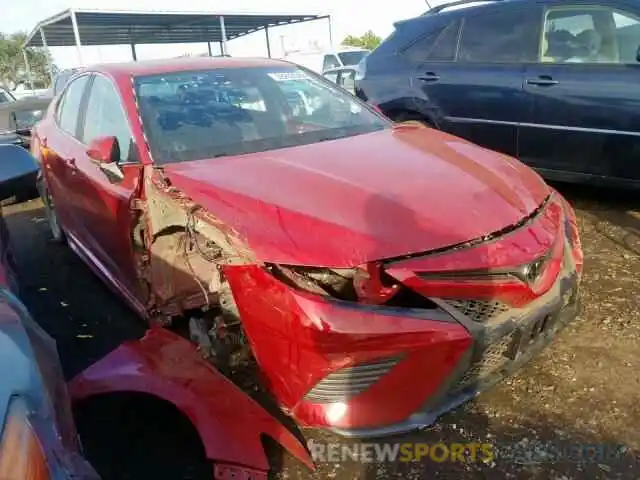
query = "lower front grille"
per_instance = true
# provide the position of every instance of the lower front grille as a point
(350, 381)
(492, 359)
(480, 311)
(507, 349)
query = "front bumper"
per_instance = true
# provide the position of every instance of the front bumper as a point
(363, 370)
(496, 354)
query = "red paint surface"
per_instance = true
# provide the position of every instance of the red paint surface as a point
(91, 209)
(299, 338)
(101, 149)
(346, 202)
(544, 234)
(167, 366)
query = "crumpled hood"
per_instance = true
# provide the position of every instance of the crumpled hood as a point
(345, 202)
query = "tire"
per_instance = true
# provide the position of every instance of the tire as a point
(57, 232)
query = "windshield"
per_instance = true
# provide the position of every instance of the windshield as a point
(352, 58)
(204, 114)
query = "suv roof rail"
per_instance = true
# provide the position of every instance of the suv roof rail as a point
(441, 7)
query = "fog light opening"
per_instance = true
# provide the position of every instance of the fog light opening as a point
(336, 411)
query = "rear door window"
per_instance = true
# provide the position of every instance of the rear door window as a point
(69, 112)
(508, 36)
(418, 51)
(438, 45)
(444, 48)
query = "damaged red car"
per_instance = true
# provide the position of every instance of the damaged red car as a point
(379, 273)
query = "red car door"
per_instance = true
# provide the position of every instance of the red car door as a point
(102, 204)
(59, 148)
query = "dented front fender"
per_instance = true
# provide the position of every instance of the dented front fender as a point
(167, 366)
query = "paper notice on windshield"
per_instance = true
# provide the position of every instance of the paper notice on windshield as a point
(287, 76)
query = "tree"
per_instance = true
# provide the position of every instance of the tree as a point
(12, 68)
(369, 40)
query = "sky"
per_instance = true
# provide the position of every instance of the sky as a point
(347, 17)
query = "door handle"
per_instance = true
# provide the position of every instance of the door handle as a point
(542, 81)
(430, 77)
(71, 163)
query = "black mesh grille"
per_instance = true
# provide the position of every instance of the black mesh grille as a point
(478, 310)
(350, 381)
(492, 359)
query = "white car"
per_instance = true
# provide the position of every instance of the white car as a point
(321, 61)
(344, 77)
(5, 96)
(21, 91)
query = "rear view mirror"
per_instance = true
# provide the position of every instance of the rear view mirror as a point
(104, 150)
(18, 171)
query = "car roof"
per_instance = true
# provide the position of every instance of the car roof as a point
(155, 67)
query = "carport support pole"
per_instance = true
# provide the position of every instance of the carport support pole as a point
(330, 32)
(266, 32)
(46, 47)
(133, 52)
(76, 34)
(27, 68)
(223, 33)
(209, 49)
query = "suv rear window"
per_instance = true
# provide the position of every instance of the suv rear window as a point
(438, 45)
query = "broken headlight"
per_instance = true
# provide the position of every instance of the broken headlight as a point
(367, 283)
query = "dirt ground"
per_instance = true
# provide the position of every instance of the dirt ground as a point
(583, 389)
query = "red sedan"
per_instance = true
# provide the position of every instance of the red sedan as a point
(382, 273)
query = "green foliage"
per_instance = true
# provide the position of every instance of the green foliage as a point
(369, 40)
(12, 67)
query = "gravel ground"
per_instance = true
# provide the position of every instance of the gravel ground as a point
(583, 389)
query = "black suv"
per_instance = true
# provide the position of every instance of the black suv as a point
(555, 83)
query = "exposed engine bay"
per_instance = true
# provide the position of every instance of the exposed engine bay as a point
(181, 250)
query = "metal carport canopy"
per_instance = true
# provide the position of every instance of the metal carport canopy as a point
(102, 27)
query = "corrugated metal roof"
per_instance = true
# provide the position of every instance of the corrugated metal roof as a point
(98, 27)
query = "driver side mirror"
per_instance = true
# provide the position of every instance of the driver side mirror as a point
(18, 171)
(104, 150)
(638, 54)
